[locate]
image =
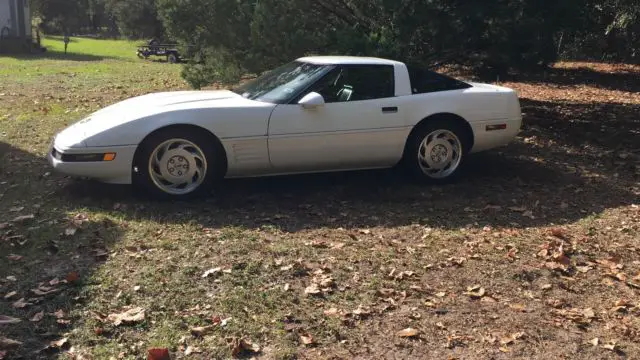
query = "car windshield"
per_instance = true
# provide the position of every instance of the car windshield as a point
(281, 84)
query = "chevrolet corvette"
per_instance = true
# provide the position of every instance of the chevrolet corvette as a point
(314, 114)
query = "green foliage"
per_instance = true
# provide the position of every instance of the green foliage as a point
(252, 36)
(135, 18)
(232, 37)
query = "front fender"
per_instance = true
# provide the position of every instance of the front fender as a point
(224, 123)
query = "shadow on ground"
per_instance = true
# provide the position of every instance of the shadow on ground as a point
(60, 55)
(621, 80)
(611, 125)
(36, 256)
(533, 185)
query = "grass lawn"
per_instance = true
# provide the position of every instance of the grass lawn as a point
(533, 254)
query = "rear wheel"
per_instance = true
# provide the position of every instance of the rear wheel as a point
(177, 163)
(172, 58)
(436, 151)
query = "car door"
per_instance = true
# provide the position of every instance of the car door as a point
(361, 124)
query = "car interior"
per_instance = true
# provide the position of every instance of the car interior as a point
(355, 84)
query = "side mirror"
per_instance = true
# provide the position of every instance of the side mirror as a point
(311, 101)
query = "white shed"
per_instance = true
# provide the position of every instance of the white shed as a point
(15, 19)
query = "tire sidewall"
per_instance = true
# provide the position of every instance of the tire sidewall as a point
(141, 179)
(412, 162)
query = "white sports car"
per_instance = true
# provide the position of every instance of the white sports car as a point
(314, 114)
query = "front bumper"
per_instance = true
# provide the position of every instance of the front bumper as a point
(117, 171)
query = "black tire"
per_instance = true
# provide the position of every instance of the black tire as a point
(172, 58)
(411, 160)
(210, 147)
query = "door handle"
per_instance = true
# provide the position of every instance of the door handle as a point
(390, 109)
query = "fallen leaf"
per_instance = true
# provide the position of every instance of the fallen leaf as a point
(528, 214)
(44, 291)
(512, 338)
(312, 289)
(8, 320)
(211, 272)
(589, 313)
(331, 312)
(192, 350)
(6, 343)
(361, 311)
(10, 295)
(59, 314)
(224, 322)
(584, 269)
(243, 345)
(518, 307)
(158, 354)
(307, 339)
(72, 277)
(16, 209)
(37, 317)
(594, 341)
(21, 304)
(201, 330)
(386, 292)
(23, 218)
(70, 231)
(475, 291)
(58, 344)
(441, 294)
(611, 345)
(14, 257)
(134, 315)
(558, 232)
(407, 333)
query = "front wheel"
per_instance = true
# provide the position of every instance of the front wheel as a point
(435, 152)
(176, 164)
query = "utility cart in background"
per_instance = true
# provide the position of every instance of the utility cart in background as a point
(155, 48)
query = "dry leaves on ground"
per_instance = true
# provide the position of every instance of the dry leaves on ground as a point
(407, 333)
(6, 343)
(8, 320)
(21, 304)
(579, 316)
(201, 330)
(242, 346)
(130, 316)
(37, 317)
(307, 339)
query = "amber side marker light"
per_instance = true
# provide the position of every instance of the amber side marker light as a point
(109, 157)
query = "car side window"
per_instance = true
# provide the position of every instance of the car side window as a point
(357, 83)
(424, 81)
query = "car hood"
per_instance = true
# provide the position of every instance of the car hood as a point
(149, 107)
